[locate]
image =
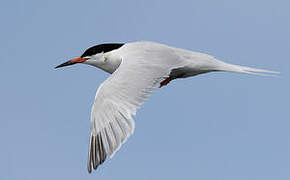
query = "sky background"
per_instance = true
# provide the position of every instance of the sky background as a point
(216, 126)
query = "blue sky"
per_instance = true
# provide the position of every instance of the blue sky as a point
(213, 126)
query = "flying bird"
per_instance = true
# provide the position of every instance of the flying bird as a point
(137, 69)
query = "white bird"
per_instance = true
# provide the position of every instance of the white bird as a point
(137, 69)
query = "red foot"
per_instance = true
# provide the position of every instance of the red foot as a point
(165, 82)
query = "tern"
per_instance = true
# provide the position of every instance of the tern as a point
(137, 69)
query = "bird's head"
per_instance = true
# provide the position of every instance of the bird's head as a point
(93, 55)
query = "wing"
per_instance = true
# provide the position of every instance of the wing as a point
(118, 98)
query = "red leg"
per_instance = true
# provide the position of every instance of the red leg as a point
(165, 82)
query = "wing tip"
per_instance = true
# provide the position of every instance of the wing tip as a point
(97, 154)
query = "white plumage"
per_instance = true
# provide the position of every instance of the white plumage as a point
(137, 69)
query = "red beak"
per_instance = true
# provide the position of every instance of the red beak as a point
(72, 61)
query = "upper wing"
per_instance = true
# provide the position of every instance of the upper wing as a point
(118, 98)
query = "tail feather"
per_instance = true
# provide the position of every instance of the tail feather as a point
(248, 70)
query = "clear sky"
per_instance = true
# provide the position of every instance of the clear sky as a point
(216, 126)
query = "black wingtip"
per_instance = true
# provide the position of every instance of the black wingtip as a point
(90, 157)
(97, 154)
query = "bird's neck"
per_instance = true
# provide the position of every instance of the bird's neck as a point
(112, 62)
